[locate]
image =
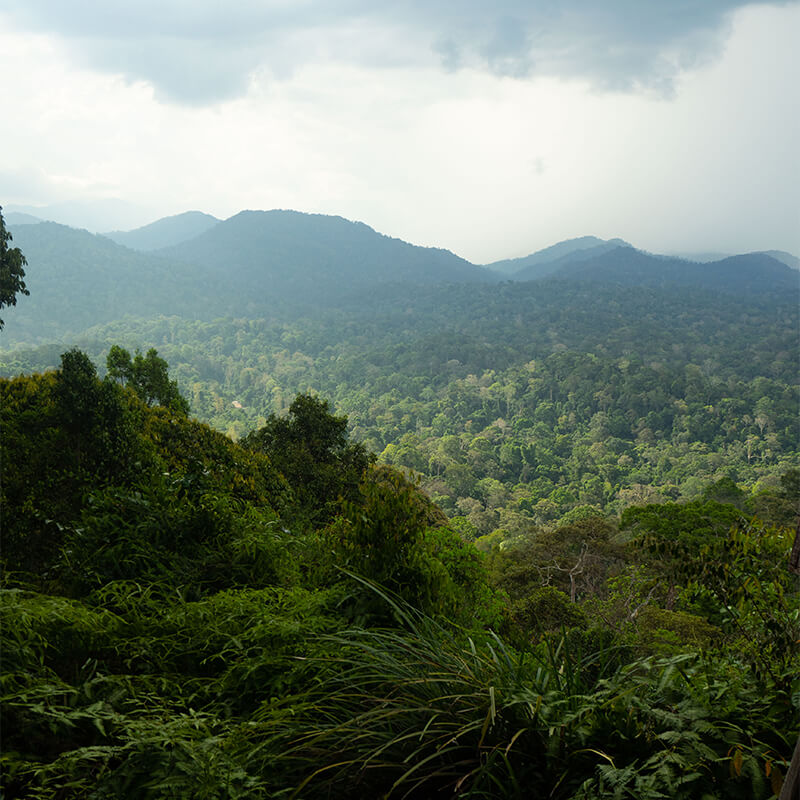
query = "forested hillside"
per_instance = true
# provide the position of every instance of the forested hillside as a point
(256, 264)
(517, 403)
(77, 280)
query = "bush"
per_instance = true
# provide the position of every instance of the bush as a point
(546, 609)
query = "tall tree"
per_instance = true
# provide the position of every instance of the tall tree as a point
(148, 376)
(311, 448)
(12, 271)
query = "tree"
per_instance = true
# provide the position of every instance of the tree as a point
(148, 376)
(78, 394)
(310, 447)
(673, 534)
(577, 559)
(12, 271)
(99, 423)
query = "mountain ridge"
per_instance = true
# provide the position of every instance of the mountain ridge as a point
(78, 279)
(748, 272)
(279, 263)
(539, 263)
(165, 232)
(316, 253)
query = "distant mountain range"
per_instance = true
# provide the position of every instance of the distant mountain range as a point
(626, 266)
(584, 257)
(165, 232)
(20, 218)
(255, 264)
(547, 261)
(266, 263)
(778, 255)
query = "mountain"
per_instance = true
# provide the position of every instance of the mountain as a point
(309, 259)
(783, 257)
(778, 255)
(282, 264)
(165, 232)
(18, 218)
(547, 261)
(542, 269)
(77, 279)
(626, 266)
(256, 264)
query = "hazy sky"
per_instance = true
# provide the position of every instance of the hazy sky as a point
(491, 129)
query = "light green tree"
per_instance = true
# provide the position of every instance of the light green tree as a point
(148, 376)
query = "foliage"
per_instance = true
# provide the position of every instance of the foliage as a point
(546, 609)
(674, 533)
(62, 433)
(577, 559)
(143, 699)
(147, 376)
(12, 270)
(183, 616)
(171, 533)
(663, 631)
(196, 455)
(387, 537)
(309, 447)
(425, 710)
(98, 484)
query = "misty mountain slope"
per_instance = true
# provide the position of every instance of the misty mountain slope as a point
(19, 218)
(77, 279)
(783, 257)
(313, 258)
(95, 214)
(285, 264)
(545, 262)
(256, 264)
(165, 232)
(542, 270)
(750, 273)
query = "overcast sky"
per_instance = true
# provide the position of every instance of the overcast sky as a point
(491, 129)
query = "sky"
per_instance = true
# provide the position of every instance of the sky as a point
(490, 129)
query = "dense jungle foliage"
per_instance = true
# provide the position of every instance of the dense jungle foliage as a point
(188, 616)
(517, 404)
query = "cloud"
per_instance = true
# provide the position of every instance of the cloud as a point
(201, 51)
(26, 185)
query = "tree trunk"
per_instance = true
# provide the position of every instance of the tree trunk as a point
(794, 557)
(791, 783)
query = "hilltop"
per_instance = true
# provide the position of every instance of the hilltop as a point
(165, 232)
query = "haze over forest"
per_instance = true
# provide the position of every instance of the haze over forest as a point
(251, 310)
